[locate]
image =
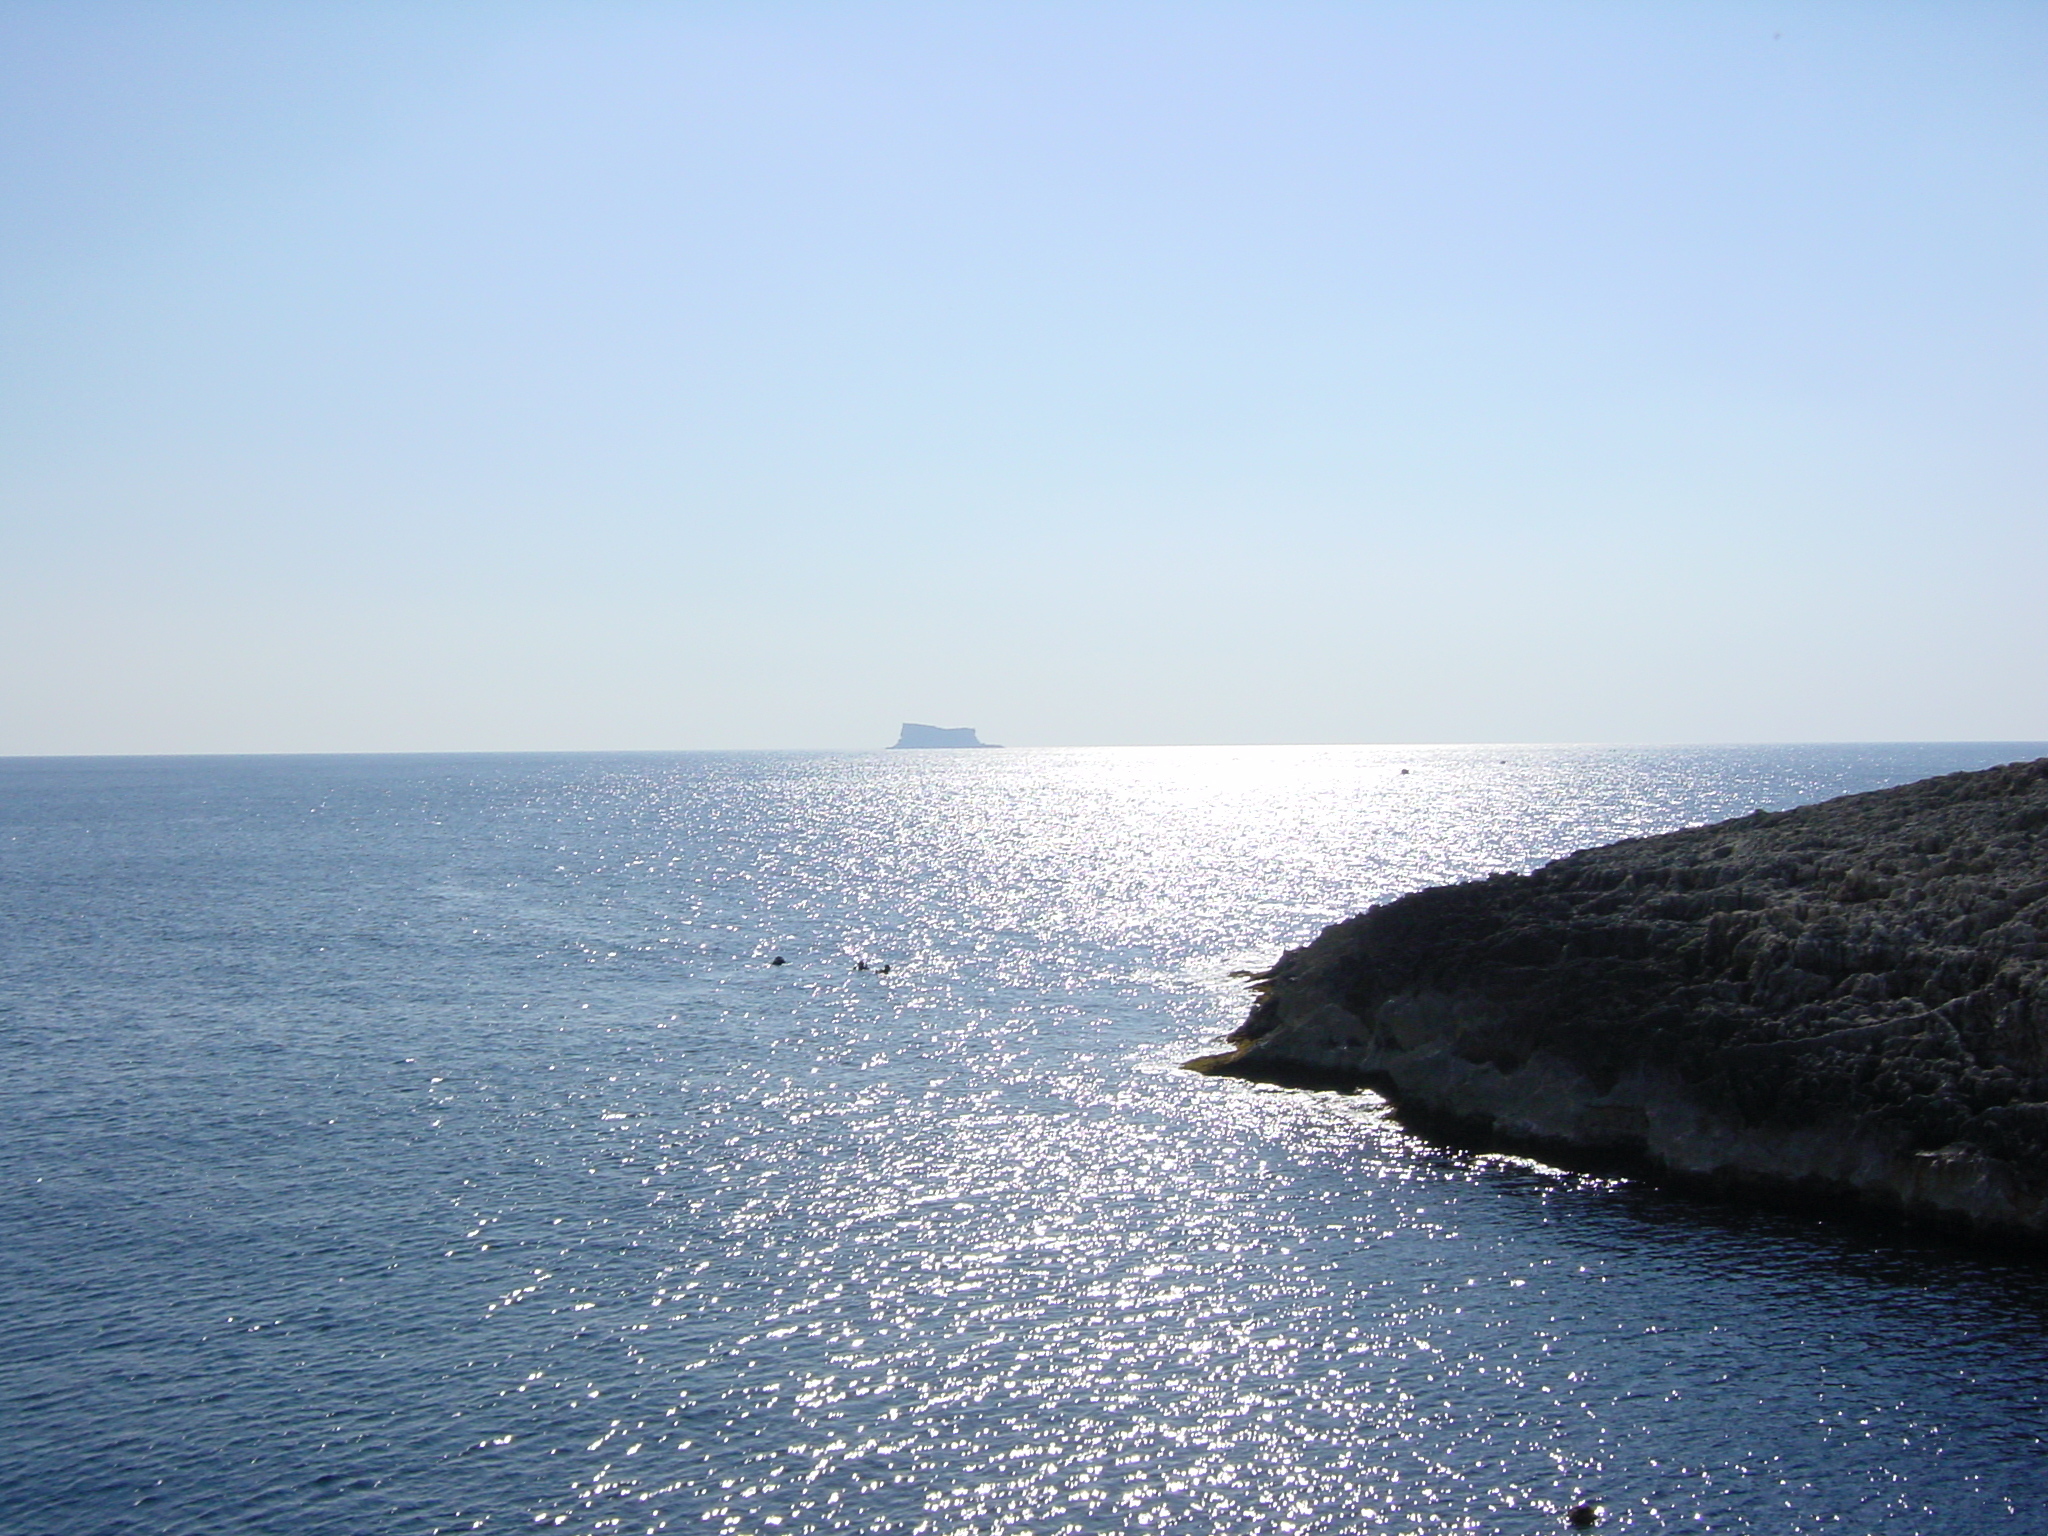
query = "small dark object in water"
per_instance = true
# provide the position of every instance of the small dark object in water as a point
(1582, 1515)
(1404, 770)
(860, 965)
(884, 970)
(778, 960)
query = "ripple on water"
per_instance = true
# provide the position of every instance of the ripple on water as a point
(423, 1145)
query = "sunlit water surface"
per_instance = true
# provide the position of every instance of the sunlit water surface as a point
(418, 1145)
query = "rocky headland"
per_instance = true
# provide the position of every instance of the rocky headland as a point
(1848, 1001)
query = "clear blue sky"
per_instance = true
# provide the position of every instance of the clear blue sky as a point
(413, 376)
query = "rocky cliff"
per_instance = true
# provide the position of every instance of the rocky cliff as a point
(1849, 1000)
(915, 735)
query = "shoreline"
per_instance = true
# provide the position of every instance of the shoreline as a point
(1845, 1003)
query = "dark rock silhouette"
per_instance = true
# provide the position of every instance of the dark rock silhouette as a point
(939, 736)
(1849, 1000)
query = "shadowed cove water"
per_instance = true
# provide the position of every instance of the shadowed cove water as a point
(425, 1144)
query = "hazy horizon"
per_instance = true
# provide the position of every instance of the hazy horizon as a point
(615, 376)
(1057, 746)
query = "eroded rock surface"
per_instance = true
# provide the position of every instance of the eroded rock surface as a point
(1846, 999)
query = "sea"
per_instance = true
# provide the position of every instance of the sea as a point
(424, 1144)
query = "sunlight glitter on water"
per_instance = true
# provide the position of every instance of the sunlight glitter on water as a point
(640, 1234)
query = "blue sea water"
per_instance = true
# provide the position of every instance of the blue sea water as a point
(424, 1144)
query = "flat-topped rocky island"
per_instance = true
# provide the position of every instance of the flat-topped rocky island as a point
(1847, 1001)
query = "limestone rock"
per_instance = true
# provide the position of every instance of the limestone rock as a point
(1849, 999)
(939, 736)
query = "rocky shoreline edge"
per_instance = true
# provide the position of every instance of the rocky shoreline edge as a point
(1844, 1003)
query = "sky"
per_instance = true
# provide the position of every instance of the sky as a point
(547, 376)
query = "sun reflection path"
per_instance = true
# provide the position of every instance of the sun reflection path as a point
(957, 1251)
(533, 1195)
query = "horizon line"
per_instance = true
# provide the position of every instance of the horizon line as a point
(1928, 741)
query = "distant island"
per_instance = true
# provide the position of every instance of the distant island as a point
(1845, 1002)
(939, 736)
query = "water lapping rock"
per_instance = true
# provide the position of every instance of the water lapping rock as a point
(1848, 1000)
